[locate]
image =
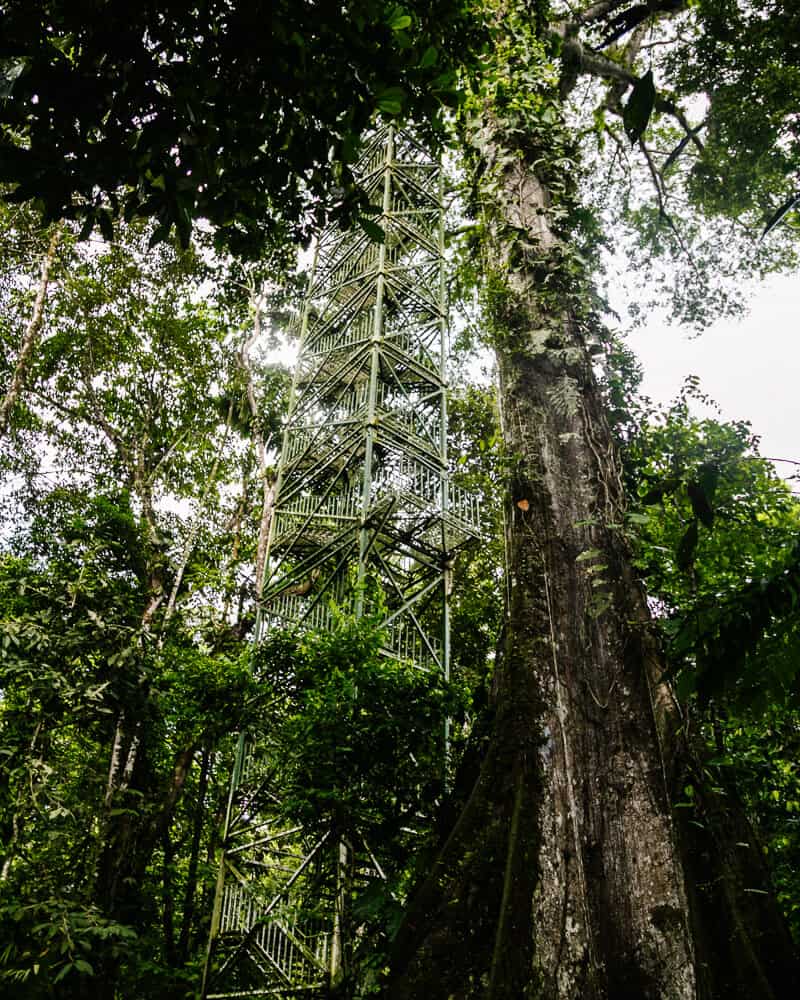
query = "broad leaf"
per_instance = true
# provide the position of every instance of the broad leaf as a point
(375, 232)
(636, 113)
(780, 215)
(391, 100)
(10, 71)
(684, 555)
(429, 57)
(657, 493)
(701, 507)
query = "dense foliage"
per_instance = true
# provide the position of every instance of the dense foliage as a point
(127, 583)
(716, 543)
(246, 114)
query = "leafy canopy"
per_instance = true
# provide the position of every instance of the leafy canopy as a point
(718, 548)
(247, 113)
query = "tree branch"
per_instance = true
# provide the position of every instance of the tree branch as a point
(691, 136)
(31, 336)
(627, 20)
(597, 11)
(662, 205)
(632, 18)
(583, 60)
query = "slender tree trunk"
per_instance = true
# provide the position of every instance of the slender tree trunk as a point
(564, 875)
(262, 446)
(168, 899)
(30, 337)
(197, 523)
(190, 891)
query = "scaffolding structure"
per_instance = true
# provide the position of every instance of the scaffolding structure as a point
(363, 492)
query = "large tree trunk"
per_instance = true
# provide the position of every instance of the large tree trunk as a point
(564, 876)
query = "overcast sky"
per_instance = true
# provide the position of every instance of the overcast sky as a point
(751, 367)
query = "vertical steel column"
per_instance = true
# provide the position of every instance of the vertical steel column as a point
(447, 568)
(375, 354)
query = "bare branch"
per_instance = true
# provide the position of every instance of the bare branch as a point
(32, 331)
(597, 11)
(637, 16)
(691, 136)
(168, 453)
(624, 22)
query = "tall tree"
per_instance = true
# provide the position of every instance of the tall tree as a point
(566, 873)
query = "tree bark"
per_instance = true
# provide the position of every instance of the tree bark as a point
(565, 875)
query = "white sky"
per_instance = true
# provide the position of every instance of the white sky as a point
(751, 367)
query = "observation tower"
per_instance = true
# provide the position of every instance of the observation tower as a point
(363, 495)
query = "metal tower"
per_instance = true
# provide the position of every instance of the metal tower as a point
(363, 490)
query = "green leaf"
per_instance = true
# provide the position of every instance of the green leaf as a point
(657, 493)
(88, 226)
(400, 21)
(350, 146)
(10, 72)
(685, 686)
(636, 113)
(183, 224)
(686, 546)
(372, 229)
(708, 477)
(429, 57)
(160, 234)
(391, 100)
(106, 224)
(701, 508)
(63, 971)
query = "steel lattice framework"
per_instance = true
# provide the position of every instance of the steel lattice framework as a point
(363, 491)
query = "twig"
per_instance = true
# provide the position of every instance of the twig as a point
(662, 208)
